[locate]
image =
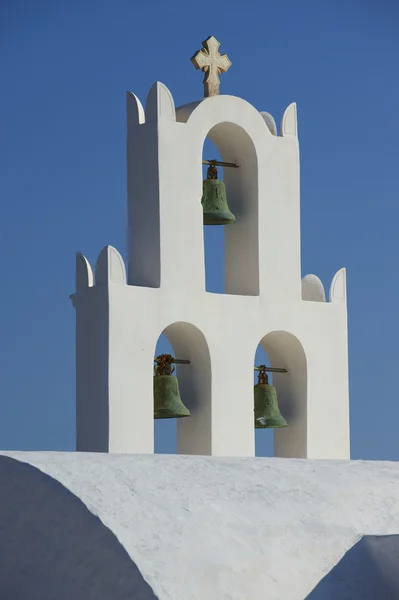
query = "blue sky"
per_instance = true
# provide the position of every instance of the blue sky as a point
(65, 67)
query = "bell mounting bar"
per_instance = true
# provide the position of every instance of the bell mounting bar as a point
(270, 369)
(181, 361)
(220, 163)
(169, 359)
(262, 375)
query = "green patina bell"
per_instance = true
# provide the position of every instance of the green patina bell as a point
(167, 401)
(214, 200)
(266, 410)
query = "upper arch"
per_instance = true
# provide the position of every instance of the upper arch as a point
(239, 132)
(209, 112)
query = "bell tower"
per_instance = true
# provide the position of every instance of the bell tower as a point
(120, 315)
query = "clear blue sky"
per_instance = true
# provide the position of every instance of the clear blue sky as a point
(65, 67)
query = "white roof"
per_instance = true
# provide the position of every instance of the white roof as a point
(197, 528)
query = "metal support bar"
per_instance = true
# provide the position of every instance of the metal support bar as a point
(271, 369)
(219, 163)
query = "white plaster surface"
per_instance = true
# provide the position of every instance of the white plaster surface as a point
(205, 527)
(120, 315)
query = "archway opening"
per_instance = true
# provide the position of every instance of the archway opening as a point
(283, 350)
(236, 246)
(165, 430)
(264, 438)
(214, 251)
(191, 434)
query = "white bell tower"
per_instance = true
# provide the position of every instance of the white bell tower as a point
(119, 317)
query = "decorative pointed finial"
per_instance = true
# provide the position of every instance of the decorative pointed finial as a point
(212, 63)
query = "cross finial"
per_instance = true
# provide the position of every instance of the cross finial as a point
(212, 63)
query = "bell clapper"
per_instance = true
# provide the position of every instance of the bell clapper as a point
(212, 172)
(266, 411)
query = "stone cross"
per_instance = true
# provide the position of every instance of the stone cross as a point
(212, 63)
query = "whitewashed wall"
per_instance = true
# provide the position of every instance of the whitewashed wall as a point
(120, 317)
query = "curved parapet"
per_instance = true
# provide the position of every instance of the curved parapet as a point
(52, 546)
(338, 286)
(183, 112)
(289, 123)
(135, 110)
(84, 277)
(160, 103)
(270, 122)
(209, 112)
(110, 267)
(313, 289)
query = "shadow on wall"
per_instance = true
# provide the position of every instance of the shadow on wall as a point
(369, 570)
(51, 546)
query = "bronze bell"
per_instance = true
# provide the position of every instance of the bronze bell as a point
(266, 410)
(214, 199)
(167, 401)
